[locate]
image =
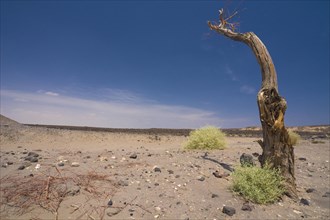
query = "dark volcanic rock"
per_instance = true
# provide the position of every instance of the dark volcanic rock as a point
(33, 154)
(156, 169)
(133, 156)
(304, 201)
(255, 154)
(310, 190)
(327, 194)
(302, 158)
(246, 207)
(214, 195)
(32, 157)
(28, 158)
(22, 167)
(229, 210)
(122, 183)
(246, 160)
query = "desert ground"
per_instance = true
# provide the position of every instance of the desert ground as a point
(58, 172)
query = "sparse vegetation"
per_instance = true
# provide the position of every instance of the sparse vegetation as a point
(208, 137)
(258, 185)
(294, 138)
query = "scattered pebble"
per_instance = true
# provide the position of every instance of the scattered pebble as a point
(302, 158)
(214, 195)
(122, 183)
(304, 201)
(113, 211)
(22, 167)
(218, 175)
(133, 156)
(156, 169)
(102, 159)
(297, 212)
(201, 178)
(255, 154)
(327, 194)
(34, 159)
(246, 160)
(110, 203)
(246, 207)
(310, 190)
(33, 154)
(75, 164)
(229, 210)
(60, 164)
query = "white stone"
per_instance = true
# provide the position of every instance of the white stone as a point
(75, 164)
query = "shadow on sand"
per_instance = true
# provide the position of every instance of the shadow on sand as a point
(224, 165)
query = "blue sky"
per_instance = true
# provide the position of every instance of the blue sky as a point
(145, 64)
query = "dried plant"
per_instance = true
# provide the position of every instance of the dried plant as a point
(49, 190)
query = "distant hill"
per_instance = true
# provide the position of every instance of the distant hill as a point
(4, 121)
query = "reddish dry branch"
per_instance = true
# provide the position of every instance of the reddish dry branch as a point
(26, 193)
(47, 187)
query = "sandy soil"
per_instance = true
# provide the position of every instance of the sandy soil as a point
(146, 176)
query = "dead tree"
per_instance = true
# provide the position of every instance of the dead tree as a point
(277, 151)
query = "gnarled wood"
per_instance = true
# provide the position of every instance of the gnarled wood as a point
(278, 152)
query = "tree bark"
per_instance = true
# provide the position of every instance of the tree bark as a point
(277, 150)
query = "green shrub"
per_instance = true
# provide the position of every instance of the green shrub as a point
(208, 137)
(259, 185)
(294, 138)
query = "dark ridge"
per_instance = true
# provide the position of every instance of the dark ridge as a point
(178, 132)
(150, 131)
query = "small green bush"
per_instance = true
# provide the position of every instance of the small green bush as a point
(208, 137)
(258, 185)
(294, 138)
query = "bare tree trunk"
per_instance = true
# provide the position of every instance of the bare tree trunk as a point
(278, 152)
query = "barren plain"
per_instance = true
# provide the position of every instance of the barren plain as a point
(62, 172)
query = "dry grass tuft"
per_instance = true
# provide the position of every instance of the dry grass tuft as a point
(206, 138)
(256, 184)
(294, 138)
